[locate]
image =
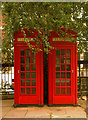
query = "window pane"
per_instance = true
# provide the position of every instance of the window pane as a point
(27, 82)
(58, 52)
(62, 67)
(27, 52)
(33, 90)
(27, 59)
(27, 90)
(81, 65)
(63, 75)
(68, 82)
(68, 52)
(27, 67)
(27, 75)
(57, 75)
(68, 75)
(22, 67)
(33, 82)
(62, 90)
(62, 59)
(57, 59)
(62, 82)
(33, 60)
(57, 67)
(33, 75)
(57, 90)
(33, 67)
(62, 51)
(22, 75)
(22, 82)
(68, 90)
(68, 67)
(22, 90)
(57, 82)
(32, 53)
(22, 60)
(22, 52)
(68, 59)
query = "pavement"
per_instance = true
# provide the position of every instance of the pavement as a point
(8, 111)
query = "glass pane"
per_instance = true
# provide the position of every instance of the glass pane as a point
(62, 67)
(68, 75)
(22, 82)
(27, 90)
(68, 82)
(33, 75)
(57, 67)
(22, 75)
(62, 90)
(68, 67)
(58, 52)
(82, 66)
(68, 59)
(33, 90)
(22, 90)
(57, 59)
(27, 52)
(57, 82)
(32, 53)
(22, 52)
(27, 75)
(22, 67)
(33, 60)
(63, 75)
(22, 60)
(68, 52)
(68, 90)
(62, 51)
(62, 82)
(27, 67)
(27, 82)
(57, 90)
(57, 74)
(33, 82)
(33, 67)
(62, 59)
(27, 59)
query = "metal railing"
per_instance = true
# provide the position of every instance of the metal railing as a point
(82, 77)
(6, 78)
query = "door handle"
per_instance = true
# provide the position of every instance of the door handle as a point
(72, 71)
(18, 71)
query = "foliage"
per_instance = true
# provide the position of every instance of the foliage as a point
(44, 17)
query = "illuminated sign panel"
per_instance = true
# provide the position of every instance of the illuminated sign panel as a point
(61, 39)
(26, 39)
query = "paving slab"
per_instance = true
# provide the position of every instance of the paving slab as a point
(5, 110)
(16, 114)
(76, 112)
(37, 114)
(8, 111)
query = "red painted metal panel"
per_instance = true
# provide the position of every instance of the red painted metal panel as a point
(50, 76)
(76, 75)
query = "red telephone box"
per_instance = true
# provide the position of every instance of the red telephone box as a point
(62, 70)
(28, 71)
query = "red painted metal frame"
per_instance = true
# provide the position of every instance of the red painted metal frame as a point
(64, 99)
(27, 99)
